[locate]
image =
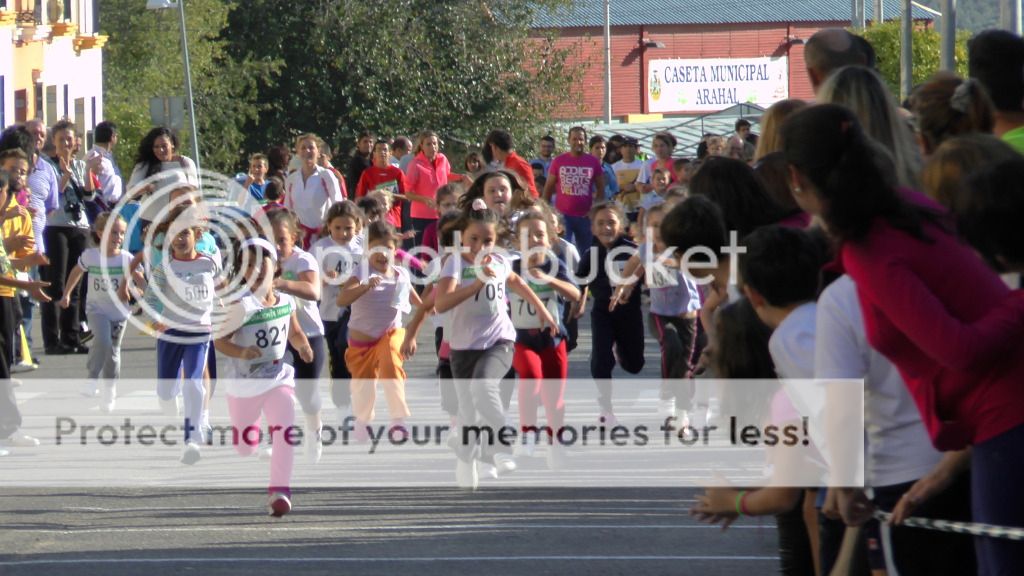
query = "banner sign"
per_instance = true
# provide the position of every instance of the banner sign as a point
(712, 84)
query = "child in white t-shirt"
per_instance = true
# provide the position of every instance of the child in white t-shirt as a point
(106, 304)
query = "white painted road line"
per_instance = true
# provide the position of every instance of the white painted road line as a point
(374, 560)
(348, 528)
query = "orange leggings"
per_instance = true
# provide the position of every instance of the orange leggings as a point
(370, 362)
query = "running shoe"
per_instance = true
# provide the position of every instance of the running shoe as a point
(504, 463)
(487, 471)
(109, 399)
(557, 457)
(191, 454)
(23, 366)
(19, 440)
(608, 419)
(526, 445)
(361, 432)
(315, 447)
(279, 505)
(466, 475)
(90, 389)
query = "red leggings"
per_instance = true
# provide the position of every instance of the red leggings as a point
(532, 366)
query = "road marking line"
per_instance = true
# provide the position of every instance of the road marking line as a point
(410, 528)
(370, 560)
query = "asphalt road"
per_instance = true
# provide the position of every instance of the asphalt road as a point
(498, 529)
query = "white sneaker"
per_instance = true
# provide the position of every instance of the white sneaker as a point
(454, 438)
(23, 366)
(191, 454)
(279, 505)
(526, 446)
(20, 440)
(714, 410)
(3, 453)
(504, 463)
(487, 471)
(699, 416)
(557, 457)
(109, 398)
(90, 388)
(466, 475)
(265, 453)
(314, 447)
(666, 408)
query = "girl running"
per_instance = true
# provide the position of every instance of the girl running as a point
(618, 326)
(260, 381)
(379, 292)
(675, 303)
(300, 278)
(107, 266)
(540, 356)
(181, 294)
(473, 286)
(338, 254)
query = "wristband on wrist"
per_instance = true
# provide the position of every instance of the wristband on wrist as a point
(743, 504)
(739, 502)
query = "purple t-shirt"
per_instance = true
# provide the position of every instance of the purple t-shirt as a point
(574, 182)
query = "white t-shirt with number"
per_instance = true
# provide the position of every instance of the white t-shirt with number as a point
(182, 292)
(481, 321)
(106, 277)
(381, 309)
(524, 314)
(341, 259)
(291, 267)
(265, 327)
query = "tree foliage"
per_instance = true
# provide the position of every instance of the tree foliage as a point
(885, 38)
(143, 59)
(459, 67)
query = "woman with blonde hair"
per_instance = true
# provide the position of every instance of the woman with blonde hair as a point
(770, 140)
(864, 92)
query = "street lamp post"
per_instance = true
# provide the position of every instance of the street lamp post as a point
(180, 5)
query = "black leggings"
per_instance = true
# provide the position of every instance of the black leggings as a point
(307, 375)
(64, 245)
(336, 337)
(618, 334)
(10, 416)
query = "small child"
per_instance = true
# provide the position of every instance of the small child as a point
(106, 303)
(378, 292)
(659, 181)
(473, 285)
(273, 194)
(300, 278)
(338, 253)
(375, 209)
(682, 169)
(675, 303)
(540, 357)
(618, 327)
(381, 176)
(180, 296)
(447, 199)
(256, 183)
(264, 322)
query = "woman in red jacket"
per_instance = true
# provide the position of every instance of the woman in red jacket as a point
(930, 304)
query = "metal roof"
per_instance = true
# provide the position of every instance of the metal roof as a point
(590, 13)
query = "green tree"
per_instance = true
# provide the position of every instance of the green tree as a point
(460, 67)
(143, 59)
(885, 38)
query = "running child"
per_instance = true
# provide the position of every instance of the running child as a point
(540, 357)
(659, 186)
(378, 292)
(181, 296)
(106, 303)
(300, 278)
(338, 253)
(473, 285)
(260, 381)
(617, 326)
(311, 189)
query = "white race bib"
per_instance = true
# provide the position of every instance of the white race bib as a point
(525, 316)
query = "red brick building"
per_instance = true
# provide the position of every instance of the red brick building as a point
(720, 52)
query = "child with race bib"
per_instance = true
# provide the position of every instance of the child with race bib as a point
(472, 285)
(257, 330)
(106, 305)
(540, 357)
(338, 253)
(180, 296)
(300, 278)
(379, 292)
(617, 327)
